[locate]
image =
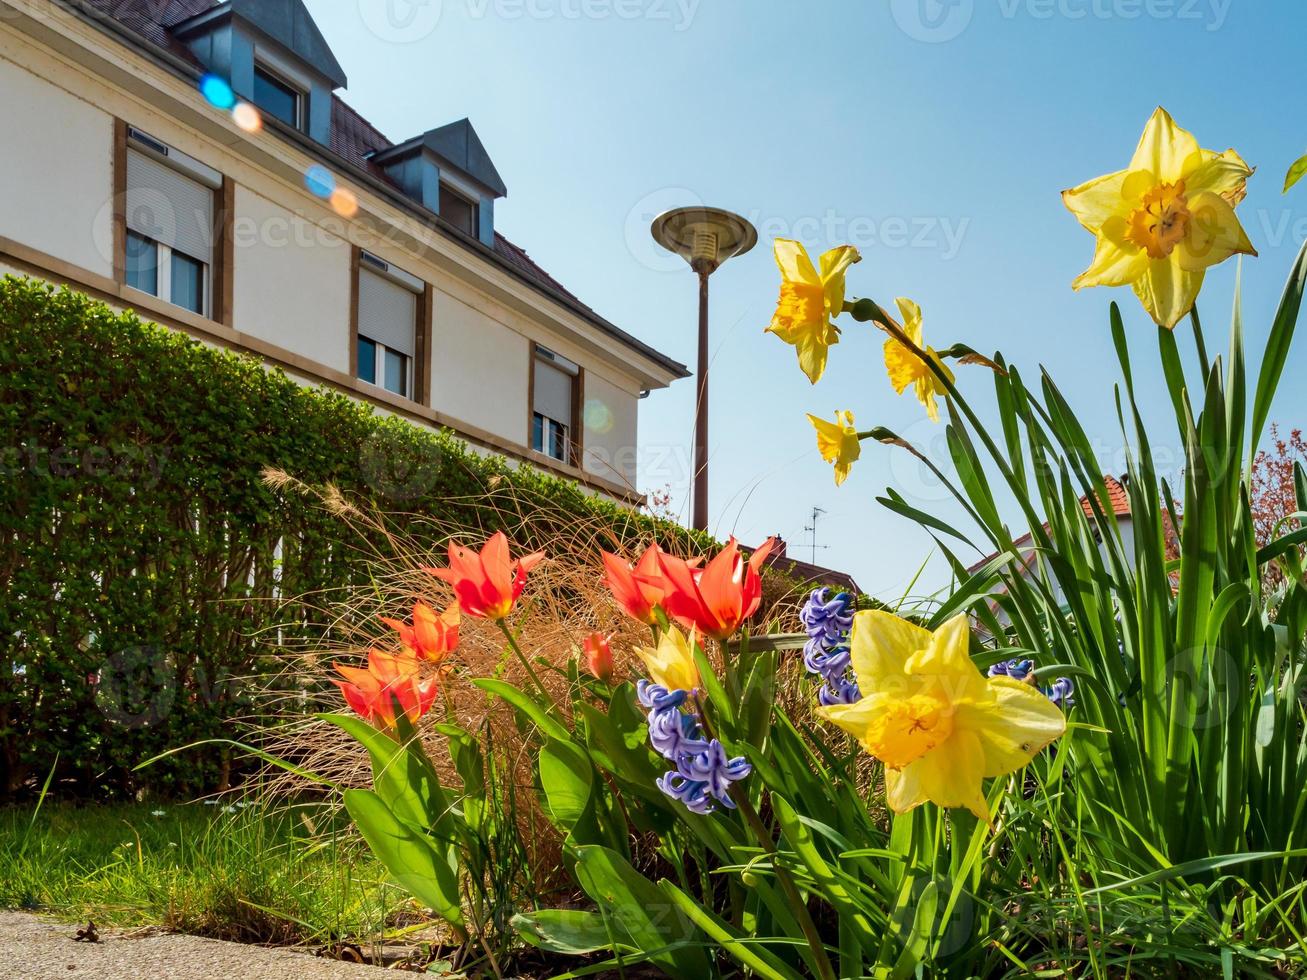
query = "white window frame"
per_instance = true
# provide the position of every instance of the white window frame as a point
(379, 369)
(547, 437)
(163, 277)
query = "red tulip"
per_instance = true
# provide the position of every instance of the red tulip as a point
(487, 583)
(431, 637)
(388, 679)
(716, 599)
(598, 656)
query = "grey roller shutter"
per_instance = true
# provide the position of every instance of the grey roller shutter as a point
(553, 392)
(169, 207)
(388, 312)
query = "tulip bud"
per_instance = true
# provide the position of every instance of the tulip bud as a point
(598, 657)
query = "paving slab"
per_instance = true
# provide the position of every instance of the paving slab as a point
(33, 948)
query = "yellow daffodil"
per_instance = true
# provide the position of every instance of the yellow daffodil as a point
(809, 301)
(838, 443)
(671, 663)
(939, 726)
(1163, 221)
(906, 368)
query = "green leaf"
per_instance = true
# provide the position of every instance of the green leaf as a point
(401, 775)
(1295, 173)
(419, 864)
(1277, 347)
(524, 703)
(571, 932)
(749, 951)
(639, 911)
(568, 780)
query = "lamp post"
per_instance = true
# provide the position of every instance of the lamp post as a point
(705, 238)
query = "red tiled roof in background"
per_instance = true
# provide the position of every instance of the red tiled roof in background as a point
(1116, 494)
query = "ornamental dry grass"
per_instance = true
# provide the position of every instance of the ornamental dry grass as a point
(565, 600)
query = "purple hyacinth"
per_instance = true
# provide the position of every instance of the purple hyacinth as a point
(828, 621)
(1024, 670)
(1018, 670)
(703, 773)
(1061, 692)
(826, 617)
(703, 779)
(842, 691)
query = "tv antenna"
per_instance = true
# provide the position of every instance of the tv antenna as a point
(811, 529)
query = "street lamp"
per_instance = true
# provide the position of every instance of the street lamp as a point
(705, 238)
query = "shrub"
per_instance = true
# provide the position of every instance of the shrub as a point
(148, 569)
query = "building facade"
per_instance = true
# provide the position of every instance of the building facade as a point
(292, 229)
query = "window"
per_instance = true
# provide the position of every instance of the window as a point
(549, 437)
(387, 326)
(277, 98)
(367, 360)
(170, 224)
(142, 263)
(458, 210)
(553, 405)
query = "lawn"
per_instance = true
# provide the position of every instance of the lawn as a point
(229, 870)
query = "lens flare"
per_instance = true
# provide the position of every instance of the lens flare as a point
(598, 416)
(217, 92)
(320, 181)
(247, 117)
(344, 202)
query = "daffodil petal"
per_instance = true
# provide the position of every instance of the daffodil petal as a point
(1097, 200)
(812, 351)
(1214, 234)
(1220, 173)
(1165, 148)
(834, 264)
(947, 652)
(1168, 291)
(911, 314)
(1013, 726)
(903, 788)
(856, 718)
(794, 263)
(950, 774)
(1117, 262)
(880, 644)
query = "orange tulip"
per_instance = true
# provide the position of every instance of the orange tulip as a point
(487, 583)
(389, 679)
(716, 599)
(432, 637)
(598, 656)
(638, 588)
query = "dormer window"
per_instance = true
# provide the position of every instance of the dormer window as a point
(458, 210)
(278, 98)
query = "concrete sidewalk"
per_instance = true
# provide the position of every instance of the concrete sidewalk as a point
(32, 948)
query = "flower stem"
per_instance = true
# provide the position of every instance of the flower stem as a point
(530, 670)
(765, 840)
(820, 960)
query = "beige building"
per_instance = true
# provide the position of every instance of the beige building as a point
(294, 230)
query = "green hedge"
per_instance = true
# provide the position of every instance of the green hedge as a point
(141, 544)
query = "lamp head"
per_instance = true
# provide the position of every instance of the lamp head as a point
(704, 237)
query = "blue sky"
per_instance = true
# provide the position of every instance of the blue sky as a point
(935, 135)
